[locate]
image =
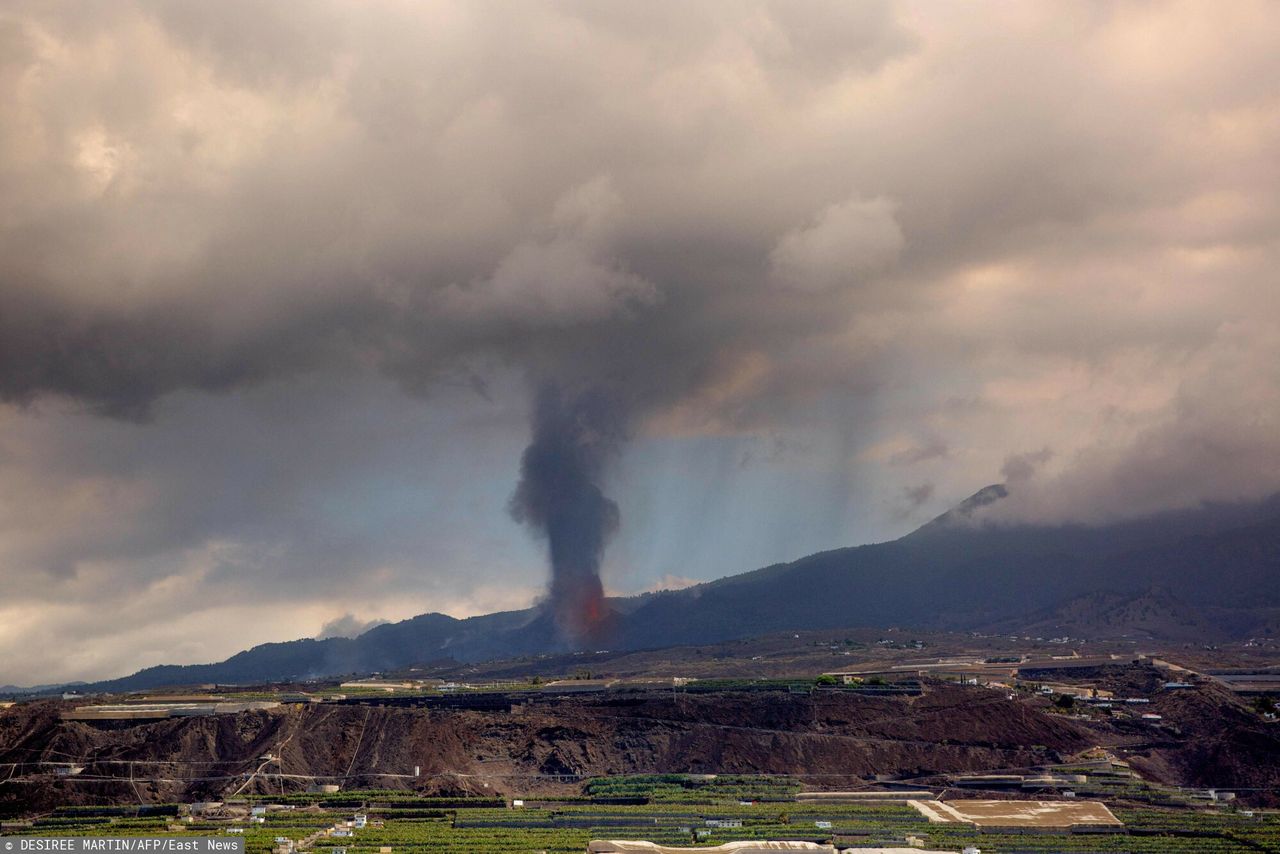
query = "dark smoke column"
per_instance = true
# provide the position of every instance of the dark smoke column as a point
(559, 496)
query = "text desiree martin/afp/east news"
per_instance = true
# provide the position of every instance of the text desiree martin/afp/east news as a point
(142, 845)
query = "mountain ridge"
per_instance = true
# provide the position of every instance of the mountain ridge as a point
(952, 573)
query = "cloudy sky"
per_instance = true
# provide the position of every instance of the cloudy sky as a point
(279, 281)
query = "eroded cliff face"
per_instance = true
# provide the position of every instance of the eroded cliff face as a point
(947, 729)
(1208, 737)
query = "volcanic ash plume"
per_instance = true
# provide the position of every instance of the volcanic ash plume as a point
(559, 496)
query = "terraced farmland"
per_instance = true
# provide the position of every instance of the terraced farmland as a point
(668, 809)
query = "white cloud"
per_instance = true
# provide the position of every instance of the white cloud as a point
(839, 246)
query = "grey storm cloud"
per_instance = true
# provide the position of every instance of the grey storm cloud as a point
(241, 245)
(421, 190)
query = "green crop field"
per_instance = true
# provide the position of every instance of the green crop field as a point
(668, 809)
